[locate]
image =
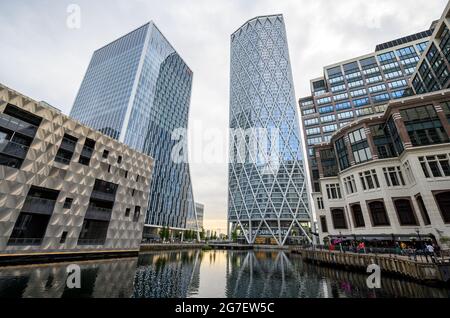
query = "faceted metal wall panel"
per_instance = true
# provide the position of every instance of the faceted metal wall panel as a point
(74, 181)
(262, 97)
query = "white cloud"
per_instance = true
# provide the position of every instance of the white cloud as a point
(42, 58)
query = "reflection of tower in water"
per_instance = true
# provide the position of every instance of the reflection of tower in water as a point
(99, 279)
(168, 275)
(267, 274)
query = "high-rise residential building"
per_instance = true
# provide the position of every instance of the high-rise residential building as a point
(137, 90)
(358, 87)
(433, 71)
(65, 188)
(267, 195)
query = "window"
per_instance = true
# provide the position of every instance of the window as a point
(443, 201)
(380, 98)
(361, 102)
(386, 57)
(63, 237)
(323, 223)
(360, 146)
(338, 216)
(119, 159)
(126, 174)
(333, 191)
(358, 92)
(393, 176)
(105, 154)
(340, 96)
(377, 88)
(408, 172)
(68, 203)
(313, 131)
(310, 122)
(405, 212)
(364, 112)
(393, 132)
(329, 128)
(423, 126)
(446, 109)
(338, 88)
(378, 213)
(326, 109)
(327, 119)
(397, 84)
(314, 141)
(328, 161)
(137, 213)
(423, 210)
(325, 100)
(435, 166)
(374, 79)
(66, 149)
(355, 84)
(320, 204)
(344, 105)
(358, 217)
(383, 142)
(309, 111)
(342, 154)
(137, 178)
(127, 212)
(345, 115)
(350, 184)
(398, 94)
(369, 180)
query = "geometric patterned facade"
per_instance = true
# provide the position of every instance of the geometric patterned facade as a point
(110, 161)
(137, 90)
(268, 200)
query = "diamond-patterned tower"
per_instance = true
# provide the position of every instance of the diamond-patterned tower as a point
(267, 195)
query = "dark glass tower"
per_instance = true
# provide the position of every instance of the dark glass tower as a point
(137, 89)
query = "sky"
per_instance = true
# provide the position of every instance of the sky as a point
(45, 58)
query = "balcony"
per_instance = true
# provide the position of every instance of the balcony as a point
(98, 213)
(91, 242)
(39, 206)
(68, 145)
(17, 125)
(87, 152)
(25, 241)
(104, 196)
(13, 149)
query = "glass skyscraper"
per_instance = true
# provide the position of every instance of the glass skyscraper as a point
(137, 89)
(267, 196)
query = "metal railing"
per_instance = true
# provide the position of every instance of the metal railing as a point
(98, 213)
(25, 241)
(39, 205)
(93, 242)
(14, 149)
(103, 195)
(68, 145)
(18, 125)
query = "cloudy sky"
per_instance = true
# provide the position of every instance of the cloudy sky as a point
(42, 58)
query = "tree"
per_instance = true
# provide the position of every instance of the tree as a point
(202, 234)
(234, 235)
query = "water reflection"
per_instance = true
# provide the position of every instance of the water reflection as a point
(196, 273)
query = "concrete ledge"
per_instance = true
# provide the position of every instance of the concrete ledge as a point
(58, 257)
